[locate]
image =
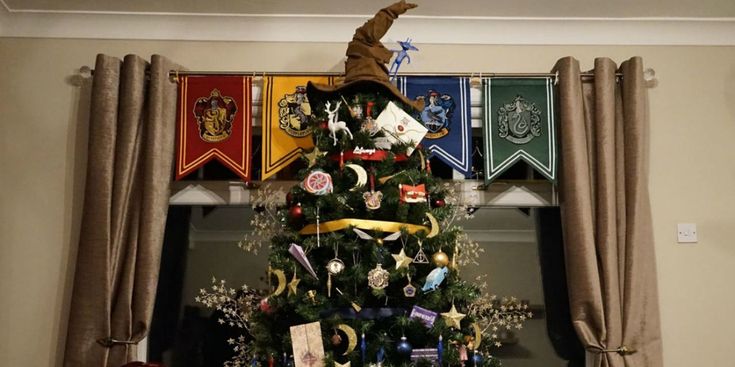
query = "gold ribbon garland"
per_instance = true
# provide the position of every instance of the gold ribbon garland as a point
(367, 224)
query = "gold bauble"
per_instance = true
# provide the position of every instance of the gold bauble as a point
(440, 259)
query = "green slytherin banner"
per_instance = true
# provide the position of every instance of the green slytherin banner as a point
(518, 123)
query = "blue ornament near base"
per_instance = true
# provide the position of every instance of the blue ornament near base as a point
(477, 359)
(403, 347)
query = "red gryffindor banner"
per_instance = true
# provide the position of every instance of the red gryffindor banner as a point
(214, 122)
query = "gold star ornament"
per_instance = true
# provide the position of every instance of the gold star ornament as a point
(402, 260)
(293, 285)
(452, 318)
(312, 156)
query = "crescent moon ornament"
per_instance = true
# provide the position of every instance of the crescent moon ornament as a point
(351, 337)
(478, 335)
(362, 176)
(434, 225)
(281, 276)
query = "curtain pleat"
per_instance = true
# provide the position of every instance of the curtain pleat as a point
(130, 156)
(606, 215)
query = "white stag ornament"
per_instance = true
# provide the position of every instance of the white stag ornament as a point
(335, 125)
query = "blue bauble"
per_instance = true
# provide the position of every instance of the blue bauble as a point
(477, 359)
(403, 347)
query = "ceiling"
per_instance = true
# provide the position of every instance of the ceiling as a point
(433, 8)
(500, 22)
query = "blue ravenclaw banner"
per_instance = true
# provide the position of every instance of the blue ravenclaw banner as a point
(446, 114)
(518, 124)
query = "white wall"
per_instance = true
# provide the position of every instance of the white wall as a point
(43, 144)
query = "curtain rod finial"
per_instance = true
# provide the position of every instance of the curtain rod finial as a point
(649, 75)
(85, 71)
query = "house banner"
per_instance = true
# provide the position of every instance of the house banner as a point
(518, 124)
(214, 122)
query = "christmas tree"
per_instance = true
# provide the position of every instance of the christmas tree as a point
(365, 258)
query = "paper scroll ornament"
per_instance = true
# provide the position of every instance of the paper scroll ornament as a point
(308, 350)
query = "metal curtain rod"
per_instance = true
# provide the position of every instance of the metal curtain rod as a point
(287, 73)
(648, 74)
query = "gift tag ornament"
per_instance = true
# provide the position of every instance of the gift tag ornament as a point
(378, 277)
(318, 182)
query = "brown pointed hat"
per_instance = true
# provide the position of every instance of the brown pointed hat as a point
(365, 68)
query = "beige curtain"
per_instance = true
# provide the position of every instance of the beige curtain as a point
(606, 216)
(131, 140)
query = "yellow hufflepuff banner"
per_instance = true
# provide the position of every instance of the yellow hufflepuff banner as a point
(286, 112)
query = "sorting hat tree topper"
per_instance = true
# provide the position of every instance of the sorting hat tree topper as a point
(371, 244)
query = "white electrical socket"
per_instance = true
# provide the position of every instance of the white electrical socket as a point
(687, 232)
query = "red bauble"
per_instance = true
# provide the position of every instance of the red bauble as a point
(265, 307)
(289, 198)
(295, 214)
(438, 203)
(323, 125)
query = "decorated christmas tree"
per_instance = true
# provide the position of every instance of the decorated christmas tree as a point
(365, 258)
